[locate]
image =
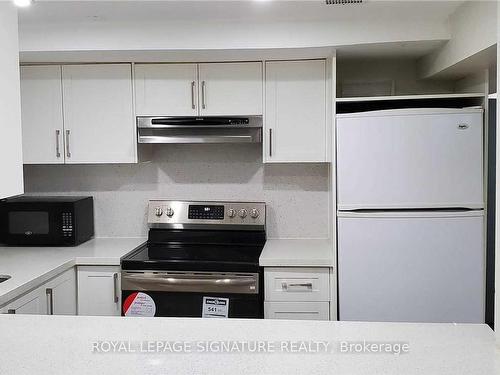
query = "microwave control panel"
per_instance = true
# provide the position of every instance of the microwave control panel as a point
(67, 224)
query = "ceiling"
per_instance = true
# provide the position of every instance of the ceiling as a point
(47, 11)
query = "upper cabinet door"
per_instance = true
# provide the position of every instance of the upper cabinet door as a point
(230, 89)
(166, 89)
(11, 155)
(295, 119)
(99, 126)
(42, 114)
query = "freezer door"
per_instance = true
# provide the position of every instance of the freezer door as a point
(419, 267)
(410, 159)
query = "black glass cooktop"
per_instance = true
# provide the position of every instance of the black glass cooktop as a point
(198, 250)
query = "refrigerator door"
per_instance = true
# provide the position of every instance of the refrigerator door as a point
(411, 266)
(410, 158)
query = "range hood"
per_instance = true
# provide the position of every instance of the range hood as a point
(199, 129)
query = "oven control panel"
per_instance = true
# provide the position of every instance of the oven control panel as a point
(206, 212)
(183, 214)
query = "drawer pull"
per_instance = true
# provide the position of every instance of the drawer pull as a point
(297, 287)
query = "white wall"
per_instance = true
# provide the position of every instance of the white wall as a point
(402, 71)
(297, 194)
(206, 25)
(473, 29)
(11, 171)
(219, 35)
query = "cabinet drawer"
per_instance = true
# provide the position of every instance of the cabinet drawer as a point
(297, 310)
(296, 284)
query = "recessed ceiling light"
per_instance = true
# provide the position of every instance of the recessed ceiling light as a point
(23, 3)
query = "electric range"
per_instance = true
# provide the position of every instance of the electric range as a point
(201, 260)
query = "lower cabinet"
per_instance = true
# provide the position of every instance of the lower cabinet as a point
(297, 293)
(297, 310)
(30, 303)
(56, 297)
(99, 290)
(60, 294)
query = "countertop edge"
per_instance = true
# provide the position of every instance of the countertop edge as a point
(66, 265)
(33, 283)
(317, 252)
(327, 263)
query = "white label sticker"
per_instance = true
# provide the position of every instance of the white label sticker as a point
(215, 307)
(139, 304)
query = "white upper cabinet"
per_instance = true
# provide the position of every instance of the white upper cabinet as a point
(99, 126)
(166, 89)
(295, 111)
(212, 89)
(42, 114)
(230, 89)
(11, 156)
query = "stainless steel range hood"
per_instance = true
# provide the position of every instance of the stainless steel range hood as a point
(199, 129)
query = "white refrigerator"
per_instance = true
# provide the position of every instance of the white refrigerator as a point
(410, 215)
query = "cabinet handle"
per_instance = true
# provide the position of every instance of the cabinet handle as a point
(203, 105)
(270, 142)
(115, 287)
(193, 105)
(11, 311)
(68, 153)
(58, 149)
(50, 301)
(296, 286)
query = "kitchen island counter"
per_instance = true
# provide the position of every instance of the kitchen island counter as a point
(119, 345)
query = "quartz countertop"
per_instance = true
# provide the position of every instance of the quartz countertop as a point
(297, 253)
(147, 346)
(32, 266)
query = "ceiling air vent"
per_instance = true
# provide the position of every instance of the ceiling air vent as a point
(343, 2)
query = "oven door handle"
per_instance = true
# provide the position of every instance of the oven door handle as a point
(191, 283)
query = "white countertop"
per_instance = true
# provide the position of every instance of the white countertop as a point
(63, 344)
(297, 253)
(32, 266)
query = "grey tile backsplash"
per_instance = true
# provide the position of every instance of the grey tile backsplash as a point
(296, 194)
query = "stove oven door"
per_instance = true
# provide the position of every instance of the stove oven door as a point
(192, 294)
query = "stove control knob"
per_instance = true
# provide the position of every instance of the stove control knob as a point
(158, 211)
(242, 213)
(169, 212)
(231, 213)
(254, 213)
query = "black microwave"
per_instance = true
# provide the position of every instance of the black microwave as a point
(46, 221)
